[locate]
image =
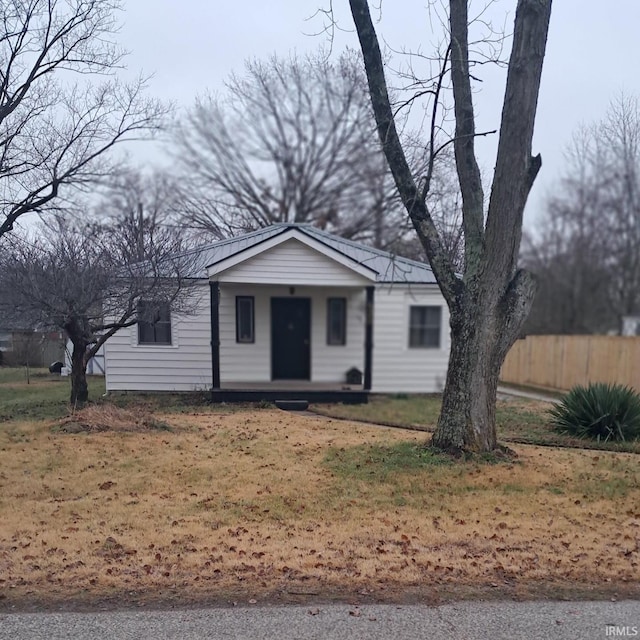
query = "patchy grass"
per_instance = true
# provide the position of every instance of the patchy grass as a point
(257, 503)
(411, 411)
(108, 417)
(19, 374)
(166, 498)
(517, 420)
(375, 463)
(46, 396)
(165, 402)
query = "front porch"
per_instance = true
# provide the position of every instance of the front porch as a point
(313, 392)
(290, 319)
(288, 355)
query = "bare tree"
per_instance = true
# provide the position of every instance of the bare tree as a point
(587, 248)
(61, 109)
(141, 205)
(615, 169)
(290, 141)
(490, 302)
(572, 297)
(84, 280)
(566, 254)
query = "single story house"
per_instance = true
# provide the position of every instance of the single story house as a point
(292, 312)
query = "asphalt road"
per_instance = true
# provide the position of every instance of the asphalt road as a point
(466, 621)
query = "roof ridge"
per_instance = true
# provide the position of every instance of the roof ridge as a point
(225, 241)
(380, 252)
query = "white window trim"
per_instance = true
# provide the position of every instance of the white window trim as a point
(151, 346)
(413, 300)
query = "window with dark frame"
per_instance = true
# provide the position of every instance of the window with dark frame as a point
(424, 327)
(336, 321)
(245, 319)
(154, 323)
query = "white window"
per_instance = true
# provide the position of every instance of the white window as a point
(425, 327)
(154, 323)
(336, 321)
(245, 319)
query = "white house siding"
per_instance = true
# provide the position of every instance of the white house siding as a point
(95, 366)
(185, 365)
(292, 263)
(252, 362)
(396, 367)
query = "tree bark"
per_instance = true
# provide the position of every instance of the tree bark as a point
(467, 419)
(79, 387)
(481, 335)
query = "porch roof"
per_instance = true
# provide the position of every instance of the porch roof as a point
(384, 267)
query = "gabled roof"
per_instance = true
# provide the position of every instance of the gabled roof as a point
(388, 268)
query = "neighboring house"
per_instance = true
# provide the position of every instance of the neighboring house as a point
(286, 312)
(20, 347)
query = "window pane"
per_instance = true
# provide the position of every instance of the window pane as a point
(244, 319)
(417, 316)
(154, 323)
(163, 313)
(432, 316)
(163, 333)
(336, 321)
(145, 332)
(424, 326)
(431, 337)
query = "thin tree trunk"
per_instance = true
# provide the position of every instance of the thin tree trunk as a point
(79, 387)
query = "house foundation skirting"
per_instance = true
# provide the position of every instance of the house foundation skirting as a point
(271, 395)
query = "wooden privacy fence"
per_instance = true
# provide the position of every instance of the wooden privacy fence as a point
(561, 362)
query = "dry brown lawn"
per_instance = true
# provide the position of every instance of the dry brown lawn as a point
(244, 505)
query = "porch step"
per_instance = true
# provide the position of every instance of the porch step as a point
(292, 405)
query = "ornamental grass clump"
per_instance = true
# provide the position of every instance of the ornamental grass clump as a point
(600, 412)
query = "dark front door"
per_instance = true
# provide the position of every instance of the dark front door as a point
(290, 338)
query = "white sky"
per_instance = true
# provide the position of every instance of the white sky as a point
(191, 46)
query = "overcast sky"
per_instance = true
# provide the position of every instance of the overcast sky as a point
(191, 46)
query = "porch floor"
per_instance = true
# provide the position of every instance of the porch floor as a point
(290, 390)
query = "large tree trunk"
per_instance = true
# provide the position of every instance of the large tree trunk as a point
(79, 387)
(467, 419)
(482, 332)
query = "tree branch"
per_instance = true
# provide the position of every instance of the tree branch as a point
(515, 168)
(464, 145)
(417, 209)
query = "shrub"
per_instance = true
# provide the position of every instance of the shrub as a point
(599, 411)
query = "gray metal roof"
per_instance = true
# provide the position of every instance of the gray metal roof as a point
(390, 268)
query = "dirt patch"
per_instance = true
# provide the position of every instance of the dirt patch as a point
(98, 418)
(272, 506)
